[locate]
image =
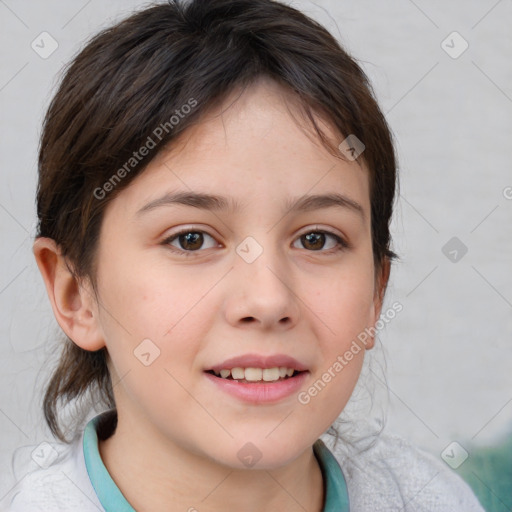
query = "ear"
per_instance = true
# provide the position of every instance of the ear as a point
(73, 303)
(381, 283)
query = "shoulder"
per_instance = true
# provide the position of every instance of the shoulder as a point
(51, 478)
(391, 474)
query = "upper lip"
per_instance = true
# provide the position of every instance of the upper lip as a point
(260, 361)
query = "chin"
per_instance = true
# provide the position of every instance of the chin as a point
(261, 453)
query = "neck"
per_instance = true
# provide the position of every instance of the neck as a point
(152, 478)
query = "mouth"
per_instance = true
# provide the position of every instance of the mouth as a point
(259, 378)
(253, 375)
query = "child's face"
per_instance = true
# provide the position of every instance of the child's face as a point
(299, 298)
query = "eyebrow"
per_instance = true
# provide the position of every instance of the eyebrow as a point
(217, 203)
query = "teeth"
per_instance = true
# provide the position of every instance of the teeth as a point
(253, 374)
(237, 373)
(270, 374)
(256, 374)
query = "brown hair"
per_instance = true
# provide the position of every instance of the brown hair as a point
(124, 88)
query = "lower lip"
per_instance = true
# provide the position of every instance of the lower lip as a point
(260, 392)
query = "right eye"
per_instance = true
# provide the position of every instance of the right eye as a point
(188, 241)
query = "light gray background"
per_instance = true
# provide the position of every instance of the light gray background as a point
(449, 352)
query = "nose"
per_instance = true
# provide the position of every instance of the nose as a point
(261, 293)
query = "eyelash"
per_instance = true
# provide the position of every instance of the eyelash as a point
(341, 243)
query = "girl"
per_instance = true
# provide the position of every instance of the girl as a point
(216, 184)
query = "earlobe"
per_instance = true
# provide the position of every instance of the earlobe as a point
(73, 304)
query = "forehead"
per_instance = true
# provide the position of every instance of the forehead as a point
(255, 147)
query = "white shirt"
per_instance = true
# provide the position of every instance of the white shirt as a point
(390, 475)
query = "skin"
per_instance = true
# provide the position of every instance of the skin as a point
(178, 435)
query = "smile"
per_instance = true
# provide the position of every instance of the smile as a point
(255, 374)
(258, 391)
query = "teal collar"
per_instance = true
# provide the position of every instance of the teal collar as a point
(113, 500)
(107, 491)
(336, 494)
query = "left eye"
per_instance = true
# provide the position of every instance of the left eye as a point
(316, 239)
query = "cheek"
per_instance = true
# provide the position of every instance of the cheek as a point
(153, 312)
(152, 326)
(346, 309)
(150, 300)
(345, 304)
(328, 394)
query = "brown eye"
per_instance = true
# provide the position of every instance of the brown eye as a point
(188, 240)
(191, 241)
(316, 240)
